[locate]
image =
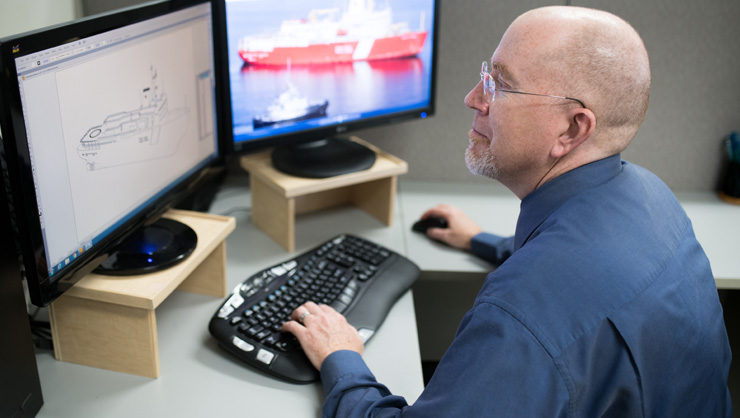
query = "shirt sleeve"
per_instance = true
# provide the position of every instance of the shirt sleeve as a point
(494, 367)
(493, 248)
(351, 389)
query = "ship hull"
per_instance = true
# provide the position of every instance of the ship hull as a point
(148, 139)
(400, 46)
(315, 111)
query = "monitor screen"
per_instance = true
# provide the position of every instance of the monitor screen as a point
(105, 123)
(303, 70)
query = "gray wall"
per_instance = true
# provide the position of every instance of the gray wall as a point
(694, 49)
(17, 16)
(91, 7)
(695, 57)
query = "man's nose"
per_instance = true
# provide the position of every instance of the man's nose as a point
(476, 100)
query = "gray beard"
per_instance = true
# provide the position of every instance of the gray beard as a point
(481, 165)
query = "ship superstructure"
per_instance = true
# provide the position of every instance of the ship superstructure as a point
(149, 132)
(361, 32)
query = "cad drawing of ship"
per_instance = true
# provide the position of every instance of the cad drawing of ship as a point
(362, 32)
(152, 131)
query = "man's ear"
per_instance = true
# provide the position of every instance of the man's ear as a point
(581, 127)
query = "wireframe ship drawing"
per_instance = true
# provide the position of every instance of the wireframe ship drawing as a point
(150, 132)
(359, 33)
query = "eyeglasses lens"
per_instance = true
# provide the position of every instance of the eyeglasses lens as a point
(489, 86)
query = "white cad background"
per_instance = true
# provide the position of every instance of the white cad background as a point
(90, 92)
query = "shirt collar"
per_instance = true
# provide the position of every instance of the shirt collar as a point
(544, 200)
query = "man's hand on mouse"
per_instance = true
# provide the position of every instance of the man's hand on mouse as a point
(460, 228)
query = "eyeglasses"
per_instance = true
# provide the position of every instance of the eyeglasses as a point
(489, 87)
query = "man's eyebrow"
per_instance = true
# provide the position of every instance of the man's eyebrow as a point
(503, 72)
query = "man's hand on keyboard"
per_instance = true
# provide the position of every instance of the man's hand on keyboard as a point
(321, 331)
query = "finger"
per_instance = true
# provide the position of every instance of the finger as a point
(438, 233)
(306, 307)
(329, 312)
(430, 212)
(442, 210)
(311, 306)
(294, 328)
(298, 313)
(327, 308)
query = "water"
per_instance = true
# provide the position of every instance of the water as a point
(354, 90)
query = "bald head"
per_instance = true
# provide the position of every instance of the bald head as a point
(596, 57)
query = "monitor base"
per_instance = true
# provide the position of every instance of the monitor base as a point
(322, 158)
(152, 248)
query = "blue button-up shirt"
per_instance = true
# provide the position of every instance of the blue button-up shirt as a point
(604, 304)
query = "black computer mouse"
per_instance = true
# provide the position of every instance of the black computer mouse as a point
(431, 222)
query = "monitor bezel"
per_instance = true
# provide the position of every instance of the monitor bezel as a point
(16, 162)
(330, 131)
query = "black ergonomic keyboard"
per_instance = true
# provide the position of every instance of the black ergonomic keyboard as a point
(357, 277)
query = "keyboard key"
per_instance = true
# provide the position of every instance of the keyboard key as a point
(338, 306)
(349, 292)
(263, 334)
(272, 339)
(345, 299)
(286, 343)
(254, 330)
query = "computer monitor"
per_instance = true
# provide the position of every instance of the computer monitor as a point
(311, 70)
(106, 123)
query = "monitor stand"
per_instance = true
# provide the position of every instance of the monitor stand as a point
(322, 158)
(151, 248)
(92, 318)
(278, 198)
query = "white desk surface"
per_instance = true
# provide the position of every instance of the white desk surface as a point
(198, 378)
(717, 227)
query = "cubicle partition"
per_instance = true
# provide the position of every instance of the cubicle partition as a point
(20, 389)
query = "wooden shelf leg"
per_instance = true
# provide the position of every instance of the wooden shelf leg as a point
(104, 335)
(209, 278)
(376, 198)
(273, 213)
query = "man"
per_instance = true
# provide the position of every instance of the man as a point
(603, 304)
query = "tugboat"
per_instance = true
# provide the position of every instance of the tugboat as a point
(290, 106)
(152, 131)
(361, 33)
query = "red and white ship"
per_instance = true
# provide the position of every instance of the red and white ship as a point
(360, 33)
